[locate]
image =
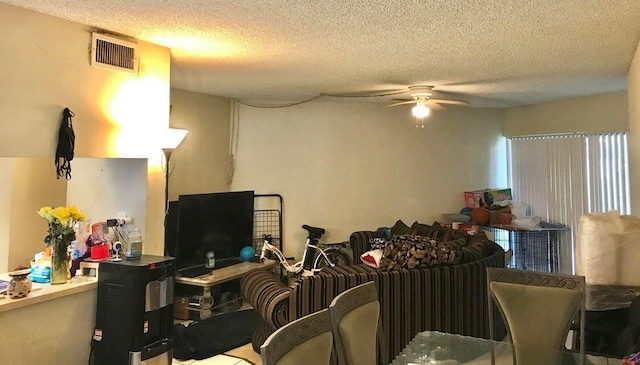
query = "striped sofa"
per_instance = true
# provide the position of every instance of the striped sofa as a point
(449, 298)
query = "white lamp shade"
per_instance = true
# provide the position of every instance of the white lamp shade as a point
(173, 137)
(420, 111)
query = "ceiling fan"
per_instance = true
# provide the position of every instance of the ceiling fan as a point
(421, 95)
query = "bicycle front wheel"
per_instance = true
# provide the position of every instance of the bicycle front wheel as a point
(336, 256)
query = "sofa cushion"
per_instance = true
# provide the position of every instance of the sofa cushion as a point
(410, 251)
(437, 232)
(422, 229)
(400, 228)
(480, 237)
(477, 247)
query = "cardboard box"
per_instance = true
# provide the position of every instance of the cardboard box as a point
(485, 198)
(468, 228)
(495, 215)
(181, 307)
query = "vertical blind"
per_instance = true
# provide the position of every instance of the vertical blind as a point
(562, 177)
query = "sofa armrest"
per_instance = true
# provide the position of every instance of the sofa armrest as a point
(267, 295)
(360, 243)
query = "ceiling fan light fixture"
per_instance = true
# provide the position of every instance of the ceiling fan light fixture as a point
(420, 111)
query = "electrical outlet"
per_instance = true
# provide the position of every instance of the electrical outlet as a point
(121, 214)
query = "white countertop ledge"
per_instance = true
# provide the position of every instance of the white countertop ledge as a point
(45, 293)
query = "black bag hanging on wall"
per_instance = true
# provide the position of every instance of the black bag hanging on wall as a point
(66, 143)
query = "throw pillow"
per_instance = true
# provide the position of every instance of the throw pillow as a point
(438, 232)
(400, 228)
(409, 251)
(378, 243)
(447, 233)
(425, 230)
(372, 258)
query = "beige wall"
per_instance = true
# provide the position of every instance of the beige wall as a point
(200, 163)
(44, 67)
(31, 187)
(6, 182)
(117, 184)
(598, 113)
(633, 78)
(101, 186)
(350, 166)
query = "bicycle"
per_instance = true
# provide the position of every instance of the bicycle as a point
(314, 257)
(334, 252)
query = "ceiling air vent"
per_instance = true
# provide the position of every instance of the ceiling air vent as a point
(113, 53)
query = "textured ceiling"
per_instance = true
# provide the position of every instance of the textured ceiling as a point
(489, 52)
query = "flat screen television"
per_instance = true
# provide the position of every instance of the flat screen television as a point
(218, 222)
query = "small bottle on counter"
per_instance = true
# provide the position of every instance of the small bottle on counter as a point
(134, 247)
(210, 263)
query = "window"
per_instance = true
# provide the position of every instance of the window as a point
(562, 177)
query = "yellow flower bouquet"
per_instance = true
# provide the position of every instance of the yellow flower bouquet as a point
(61, 221)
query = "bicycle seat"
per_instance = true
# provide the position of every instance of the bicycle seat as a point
(313, 231)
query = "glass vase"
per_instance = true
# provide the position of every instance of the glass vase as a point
(59, 268)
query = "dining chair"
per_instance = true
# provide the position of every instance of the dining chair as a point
(357, 326)
(307, 340)
(538, 308)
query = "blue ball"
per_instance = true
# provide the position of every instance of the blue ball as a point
(247, 252)
(466, 211)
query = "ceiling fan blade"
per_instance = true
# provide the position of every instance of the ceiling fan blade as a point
(403, 103)
(435, 106)
(449, 101)
(367, 94)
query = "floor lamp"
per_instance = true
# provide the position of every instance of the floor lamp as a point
(172, 140)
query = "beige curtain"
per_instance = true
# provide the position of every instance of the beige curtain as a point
(562, 177)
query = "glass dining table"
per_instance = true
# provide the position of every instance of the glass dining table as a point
(431, 348)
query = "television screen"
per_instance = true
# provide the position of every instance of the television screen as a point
(218, 222)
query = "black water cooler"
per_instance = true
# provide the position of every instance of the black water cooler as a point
(134, 318)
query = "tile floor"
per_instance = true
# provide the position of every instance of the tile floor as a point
(232, 357)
